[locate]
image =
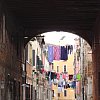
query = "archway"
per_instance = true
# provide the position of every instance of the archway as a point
(87, 65)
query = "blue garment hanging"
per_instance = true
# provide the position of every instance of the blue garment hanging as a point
(64, 53)
(50, 53)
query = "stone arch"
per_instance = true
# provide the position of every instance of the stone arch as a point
(86, 36)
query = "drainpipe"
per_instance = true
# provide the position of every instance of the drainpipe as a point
(24, 76)
(33, 86)
(82, 67)
(50, 84)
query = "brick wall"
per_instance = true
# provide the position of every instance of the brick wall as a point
(10, 62)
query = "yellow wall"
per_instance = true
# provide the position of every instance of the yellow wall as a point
(61, 63)
(70, 69)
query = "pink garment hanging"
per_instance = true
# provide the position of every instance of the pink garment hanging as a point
(56, 52)
(64, 76)
(67, 77)
(58, 76)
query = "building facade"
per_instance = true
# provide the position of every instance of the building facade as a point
(37, 65)
(88, 81)
(65, 76)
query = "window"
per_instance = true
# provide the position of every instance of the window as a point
(65, 93)
(64, 68)
(26, 51)
(52, 93)
(52, 66)
(58, 94)
(33, 52)
(57, 68)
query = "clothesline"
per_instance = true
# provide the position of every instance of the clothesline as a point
(59, 52)
(58, 45)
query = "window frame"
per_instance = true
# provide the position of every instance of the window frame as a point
(57, 68)
(65, 93)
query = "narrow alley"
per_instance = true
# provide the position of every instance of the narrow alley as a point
(36, 64)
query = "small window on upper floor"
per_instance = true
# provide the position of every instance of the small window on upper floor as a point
(57, 68)
(52, 66)
(58, 94)
(65, 69)
(52, 93)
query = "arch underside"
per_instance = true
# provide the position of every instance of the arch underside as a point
(38, 16)
(87, 36)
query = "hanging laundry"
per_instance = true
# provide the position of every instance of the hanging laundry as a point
(58, 76)
(70, 77)
(63, 83)
(78, 77)
(61, 78)
(74, 77)
(56, 52)
(67, 77)
(50, 82)
(73, 84)
(64, 76)
(64, 53)
(68, 49)
(55, 81)
(59, 89)
(70, 84)
(71, 47)
(50, 53)
(55, 75)
(59, 84)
